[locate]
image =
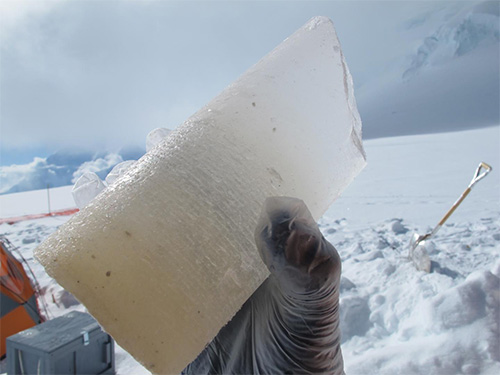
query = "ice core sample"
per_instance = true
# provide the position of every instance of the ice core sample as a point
(166, 257)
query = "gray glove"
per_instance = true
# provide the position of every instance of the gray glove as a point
(290, 325)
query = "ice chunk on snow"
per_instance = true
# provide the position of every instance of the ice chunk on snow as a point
(118, 170)
(150, 258)
(86, 188)
(156, 136)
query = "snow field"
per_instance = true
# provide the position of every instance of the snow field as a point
(419, 177)
(35, 202)
(394, 319)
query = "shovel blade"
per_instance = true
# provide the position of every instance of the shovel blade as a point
(419, 255)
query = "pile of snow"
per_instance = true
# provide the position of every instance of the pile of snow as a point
(394, 319)
(397, 320)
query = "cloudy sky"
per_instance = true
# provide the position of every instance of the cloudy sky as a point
(105, 73)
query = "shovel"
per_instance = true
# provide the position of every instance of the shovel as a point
(418, 253)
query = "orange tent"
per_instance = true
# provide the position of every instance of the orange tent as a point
(18, 306)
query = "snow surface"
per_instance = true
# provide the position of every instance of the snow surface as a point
(419, 177)
(394, 319)
(36, 202)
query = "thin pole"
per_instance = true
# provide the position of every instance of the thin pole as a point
(48, 197)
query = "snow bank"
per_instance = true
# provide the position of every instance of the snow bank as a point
(397, 320)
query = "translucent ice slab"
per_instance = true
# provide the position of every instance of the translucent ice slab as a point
(164, 258)
(86, 188)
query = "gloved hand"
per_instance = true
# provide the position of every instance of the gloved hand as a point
(290, 325)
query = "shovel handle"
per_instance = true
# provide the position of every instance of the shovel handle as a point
(455, 205)
(478, 176)
(482, 170)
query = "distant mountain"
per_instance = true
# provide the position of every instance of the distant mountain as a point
(62, 168)
(459, 36)
(451, 82)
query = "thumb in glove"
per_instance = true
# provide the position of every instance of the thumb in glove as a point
(290, 325)
(293, 249)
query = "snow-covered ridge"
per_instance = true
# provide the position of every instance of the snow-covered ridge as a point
(447, 79)
(463, 33)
